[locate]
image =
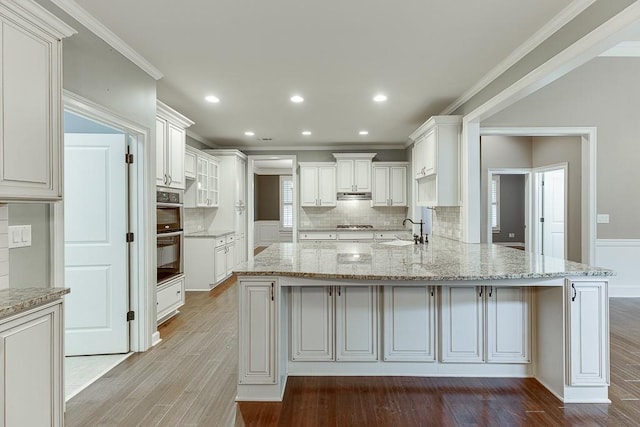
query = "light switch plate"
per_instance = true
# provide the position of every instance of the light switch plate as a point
(603, 219)
(19, 236)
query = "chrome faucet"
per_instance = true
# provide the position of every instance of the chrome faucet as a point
(416, 238)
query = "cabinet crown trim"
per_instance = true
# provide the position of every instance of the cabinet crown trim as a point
(354, 155)
(168, 113)
(434, 121)
(44, 19)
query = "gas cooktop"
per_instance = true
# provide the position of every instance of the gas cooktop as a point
(353, 227)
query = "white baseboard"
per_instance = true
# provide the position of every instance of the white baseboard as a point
(155, 338)
(622, 256)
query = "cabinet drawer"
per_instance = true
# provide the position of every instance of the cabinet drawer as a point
(317, 236)
(391, 235)
(355, 235)
(221, 241)
(170, 297)
(231, 238)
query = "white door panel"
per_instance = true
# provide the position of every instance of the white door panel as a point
(95, 244)
(553, 214)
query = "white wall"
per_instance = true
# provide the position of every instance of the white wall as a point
(4, 246)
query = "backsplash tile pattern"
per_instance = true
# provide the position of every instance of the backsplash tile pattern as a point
(351, 212)
(4, 246)
(446, 222)
(194, 220)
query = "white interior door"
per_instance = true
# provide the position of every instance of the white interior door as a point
(553, 212)
(95, 226)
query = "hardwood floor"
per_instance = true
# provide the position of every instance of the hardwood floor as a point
(189, 380)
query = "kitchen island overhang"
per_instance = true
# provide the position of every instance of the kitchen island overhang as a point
(446, 309)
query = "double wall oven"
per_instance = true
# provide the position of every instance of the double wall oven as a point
(170, 235)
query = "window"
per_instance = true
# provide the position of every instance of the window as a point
(286, 201)
(495, 203)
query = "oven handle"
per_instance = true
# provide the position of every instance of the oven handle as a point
(169, 205)
(171, 234)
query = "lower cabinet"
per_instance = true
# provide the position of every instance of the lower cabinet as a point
(31, 351)
(209, 260)
(170, 297)
(409, 314)
(485, 324)
(257, 344)
(588, 313)
(334, 323)
(225, 258)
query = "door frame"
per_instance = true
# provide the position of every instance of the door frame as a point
(251, 196)
(527, 202)
(589, 142)
(537, 209)
(141, 206)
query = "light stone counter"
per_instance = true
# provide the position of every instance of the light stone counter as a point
(209, 233)
(440, 260)
(13, 301)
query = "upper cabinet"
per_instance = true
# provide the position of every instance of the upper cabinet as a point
(30, 101)
(389, 184)
(202, 179)
(170, 146)
(436, 161)
(353, 172)
(317, 184)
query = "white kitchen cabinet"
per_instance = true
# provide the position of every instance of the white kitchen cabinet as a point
(353, 171)
(355, 236)
(204, 191)
(190, 167)
(409, 324)
(30, 101)
(316, 236)
(436, 161)
(506, 312)
(257, 347)
(170, 297)
(588, 344)
(312, 323)
(389, 184)
(353, 336)
(199, 263)
(170, 146)
(31, 372)
(317, 184)
(508, 324)
(225, 257)
(462, 324)
(232, 196)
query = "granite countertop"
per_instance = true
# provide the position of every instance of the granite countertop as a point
(441, 259)
(14, 301)
(209, 233)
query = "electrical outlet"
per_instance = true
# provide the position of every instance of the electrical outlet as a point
(602, 219)
(512, 234)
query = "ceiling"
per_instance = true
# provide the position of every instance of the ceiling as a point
(255, 54)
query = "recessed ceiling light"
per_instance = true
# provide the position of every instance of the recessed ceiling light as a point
(306, 132)
(212, 98)
(363, 132)
(380, 98)
(249, 133)
(297, 99)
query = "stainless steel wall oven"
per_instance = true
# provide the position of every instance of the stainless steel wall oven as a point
(170, 235)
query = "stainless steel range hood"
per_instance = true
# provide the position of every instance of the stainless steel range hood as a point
(354, 196)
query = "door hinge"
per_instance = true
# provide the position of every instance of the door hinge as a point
(128, 158)
(131, 315)
(541, 219)
(129, 237)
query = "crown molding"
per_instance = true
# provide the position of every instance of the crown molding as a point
(169, 113)
(191, 134)
(99, 29)
(328, 147)
(46, 20)
(561, 19)
(431, 122)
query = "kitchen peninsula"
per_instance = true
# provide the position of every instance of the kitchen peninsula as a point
(442, 309)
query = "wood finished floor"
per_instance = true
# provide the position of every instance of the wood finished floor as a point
(189, 380)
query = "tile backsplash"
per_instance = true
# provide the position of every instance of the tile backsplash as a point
(4, 246)
(351, 212)
(446, 222)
